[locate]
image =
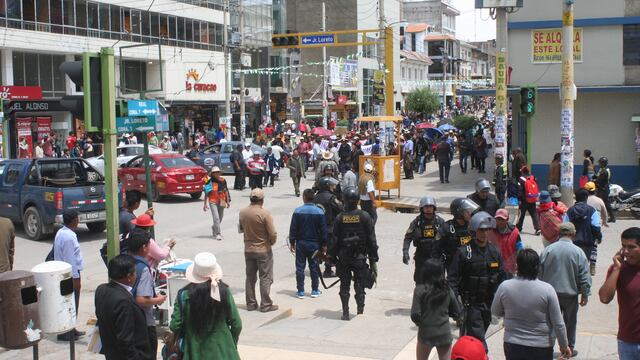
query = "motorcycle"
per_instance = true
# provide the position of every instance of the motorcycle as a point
(622, 200)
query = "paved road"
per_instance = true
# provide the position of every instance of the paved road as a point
(313, 325)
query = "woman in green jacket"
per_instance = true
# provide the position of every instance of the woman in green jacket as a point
(205, 314)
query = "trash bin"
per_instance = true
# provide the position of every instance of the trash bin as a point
(19, 321)
(57, 304)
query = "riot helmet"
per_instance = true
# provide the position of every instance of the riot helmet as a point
(350, 196)
(462, 206)
(482, 220)
(603, 161)
(428, 201)
(483, 185)
(327, 182)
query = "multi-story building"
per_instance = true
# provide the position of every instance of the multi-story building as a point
(466, 60)
(355, 95)
(439, 14)
(414, 62)
(607, 76)
(184, 45)
(484, 58)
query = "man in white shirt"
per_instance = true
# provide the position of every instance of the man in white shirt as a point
(367, 191)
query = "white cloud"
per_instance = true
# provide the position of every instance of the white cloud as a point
(473, 24)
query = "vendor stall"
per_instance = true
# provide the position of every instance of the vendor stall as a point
(386, 168)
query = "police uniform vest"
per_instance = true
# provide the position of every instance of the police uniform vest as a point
(459, 233)
(426, 236)
(480, 273)
(352, 239)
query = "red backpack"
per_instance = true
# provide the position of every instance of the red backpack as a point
(531, 191)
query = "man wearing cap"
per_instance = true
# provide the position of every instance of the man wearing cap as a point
(256, 224)
(468, 348)
(556, 197)
(566, 268)
(217, 198)
(66, 248)
(367, 191)
(488, 202)
(596, 202)
(507, 239)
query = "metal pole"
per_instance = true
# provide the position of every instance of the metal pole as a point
(502, 101)
(325, 103)
(567, 97)
(444, 79)
(243, 120)
(147, 174)
(35, 351)
(107, 66)
(5, 132)
(227, 70)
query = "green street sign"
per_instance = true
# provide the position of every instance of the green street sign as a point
(135, 124)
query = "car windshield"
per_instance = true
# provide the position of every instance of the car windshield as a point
(177, 162)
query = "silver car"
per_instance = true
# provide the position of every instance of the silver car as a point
(125, 153)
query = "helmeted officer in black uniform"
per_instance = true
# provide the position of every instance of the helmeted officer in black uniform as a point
(355, 242)
(426, 232)
(475, 274)
(328, 201)
(484, 198)
(456, 229)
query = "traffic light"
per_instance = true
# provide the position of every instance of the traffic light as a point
(282, 41)
(85, 73)
(528, 100)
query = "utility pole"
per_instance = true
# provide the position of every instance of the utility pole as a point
(567, 97)
(243, 121)
(502, 101)
(227, 70)
(444, 79)
(110, 136)
(325, 103)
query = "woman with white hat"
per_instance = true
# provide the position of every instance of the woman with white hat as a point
(205, 314)
(217, 198)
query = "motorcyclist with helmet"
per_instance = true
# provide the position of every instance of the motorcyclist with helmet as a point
(475, 274)
(484, 198)
(355, 242)
(329, 203)
(425, 232)
(603, 180)
(456, 230)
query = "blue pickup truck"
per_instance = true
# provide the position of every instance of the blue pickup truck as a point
(36, 192)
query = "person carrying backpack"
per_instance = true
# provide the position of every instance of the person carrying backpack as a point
(528, 196)
(549, 218)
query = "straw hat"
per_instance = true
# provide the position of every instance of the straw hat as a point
(327, 155)
(205, 267)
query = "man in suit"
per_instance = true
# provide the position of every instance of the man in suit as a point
(123, 328)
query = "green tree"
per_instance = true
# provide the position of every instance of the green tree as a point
(423, 101)
(464, 122)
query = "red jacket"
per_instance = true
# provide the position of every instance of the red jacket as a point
(507, 242)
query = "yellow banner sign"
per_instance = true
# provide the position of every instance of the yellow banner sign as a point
(546, 45)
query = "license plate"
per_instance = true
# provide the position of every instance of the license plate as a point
(93, 216)
(190, 177)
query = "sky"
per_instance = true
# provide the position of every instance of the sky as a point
(472, 24)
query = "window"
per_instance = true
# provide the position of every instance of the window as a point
(116, 26)
(145, 26)
(13, 174)
(155, 27)
(39, 70)
(631, 45)
(134, 75)
(28, 11)
(43, 11)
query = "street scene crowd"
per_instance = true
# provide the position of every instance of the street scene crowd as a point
(470, 270)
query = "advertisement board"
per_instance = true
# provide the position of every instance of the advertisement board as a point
(546, 45)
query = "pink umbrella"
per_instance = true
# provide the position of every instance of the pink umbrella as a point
(425, 125)
(320, 131)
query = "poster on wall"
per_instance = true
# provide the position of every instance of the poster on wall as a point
(25, 141)
(44, 127)
(546, 45)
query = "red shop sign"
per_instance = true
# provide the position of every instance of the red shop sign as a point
(21, 92)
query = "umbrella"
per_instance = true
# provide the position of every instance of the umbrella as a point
(320, 131)
(446, 127)
(425, 125)
(289, 122)
(433, 133)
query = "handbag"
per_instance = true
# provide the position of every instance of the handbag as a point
(173, 348)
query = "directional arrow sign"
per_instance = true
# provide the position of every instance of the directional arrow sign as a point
(135, 124)
(142, 107)
(318, 39)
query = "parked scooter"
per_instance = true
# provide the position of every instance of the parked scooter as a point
(622, 200)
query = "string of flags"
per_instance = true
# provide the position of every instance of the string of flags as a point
(281, 69)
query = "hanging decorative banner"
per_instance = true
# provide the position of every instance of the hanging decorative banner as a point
(25, 140)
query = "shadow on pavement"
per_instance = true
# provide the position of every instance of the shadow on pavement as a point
(328, 314)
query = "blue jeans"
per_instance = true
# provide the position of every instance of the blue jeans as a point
(463, 162)
(628, 351)
(421, 164)
(304, 250)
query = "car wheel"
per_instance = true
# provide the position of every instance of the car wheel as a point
(97, 227)
(196, 195)
(155, 194)
(32, 222)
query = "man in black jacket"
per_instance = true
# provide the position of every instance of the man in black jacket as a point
(123, 328)
(488, 202)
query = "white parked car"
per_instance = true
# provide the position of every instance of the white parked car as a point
(125, 153)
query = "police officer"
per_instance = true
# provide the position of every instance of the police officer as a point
(474, 275)
(426, 232)
(355, 241)
(456, 229)
(329, 203)
(484, 198)
(603, 179)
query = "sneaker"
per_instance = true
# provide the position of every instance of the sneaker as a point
(300, 294)
(219, 237)
(574, 353)
(315, 293)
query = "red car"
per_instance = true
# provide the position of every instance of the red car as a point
(171, 174)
